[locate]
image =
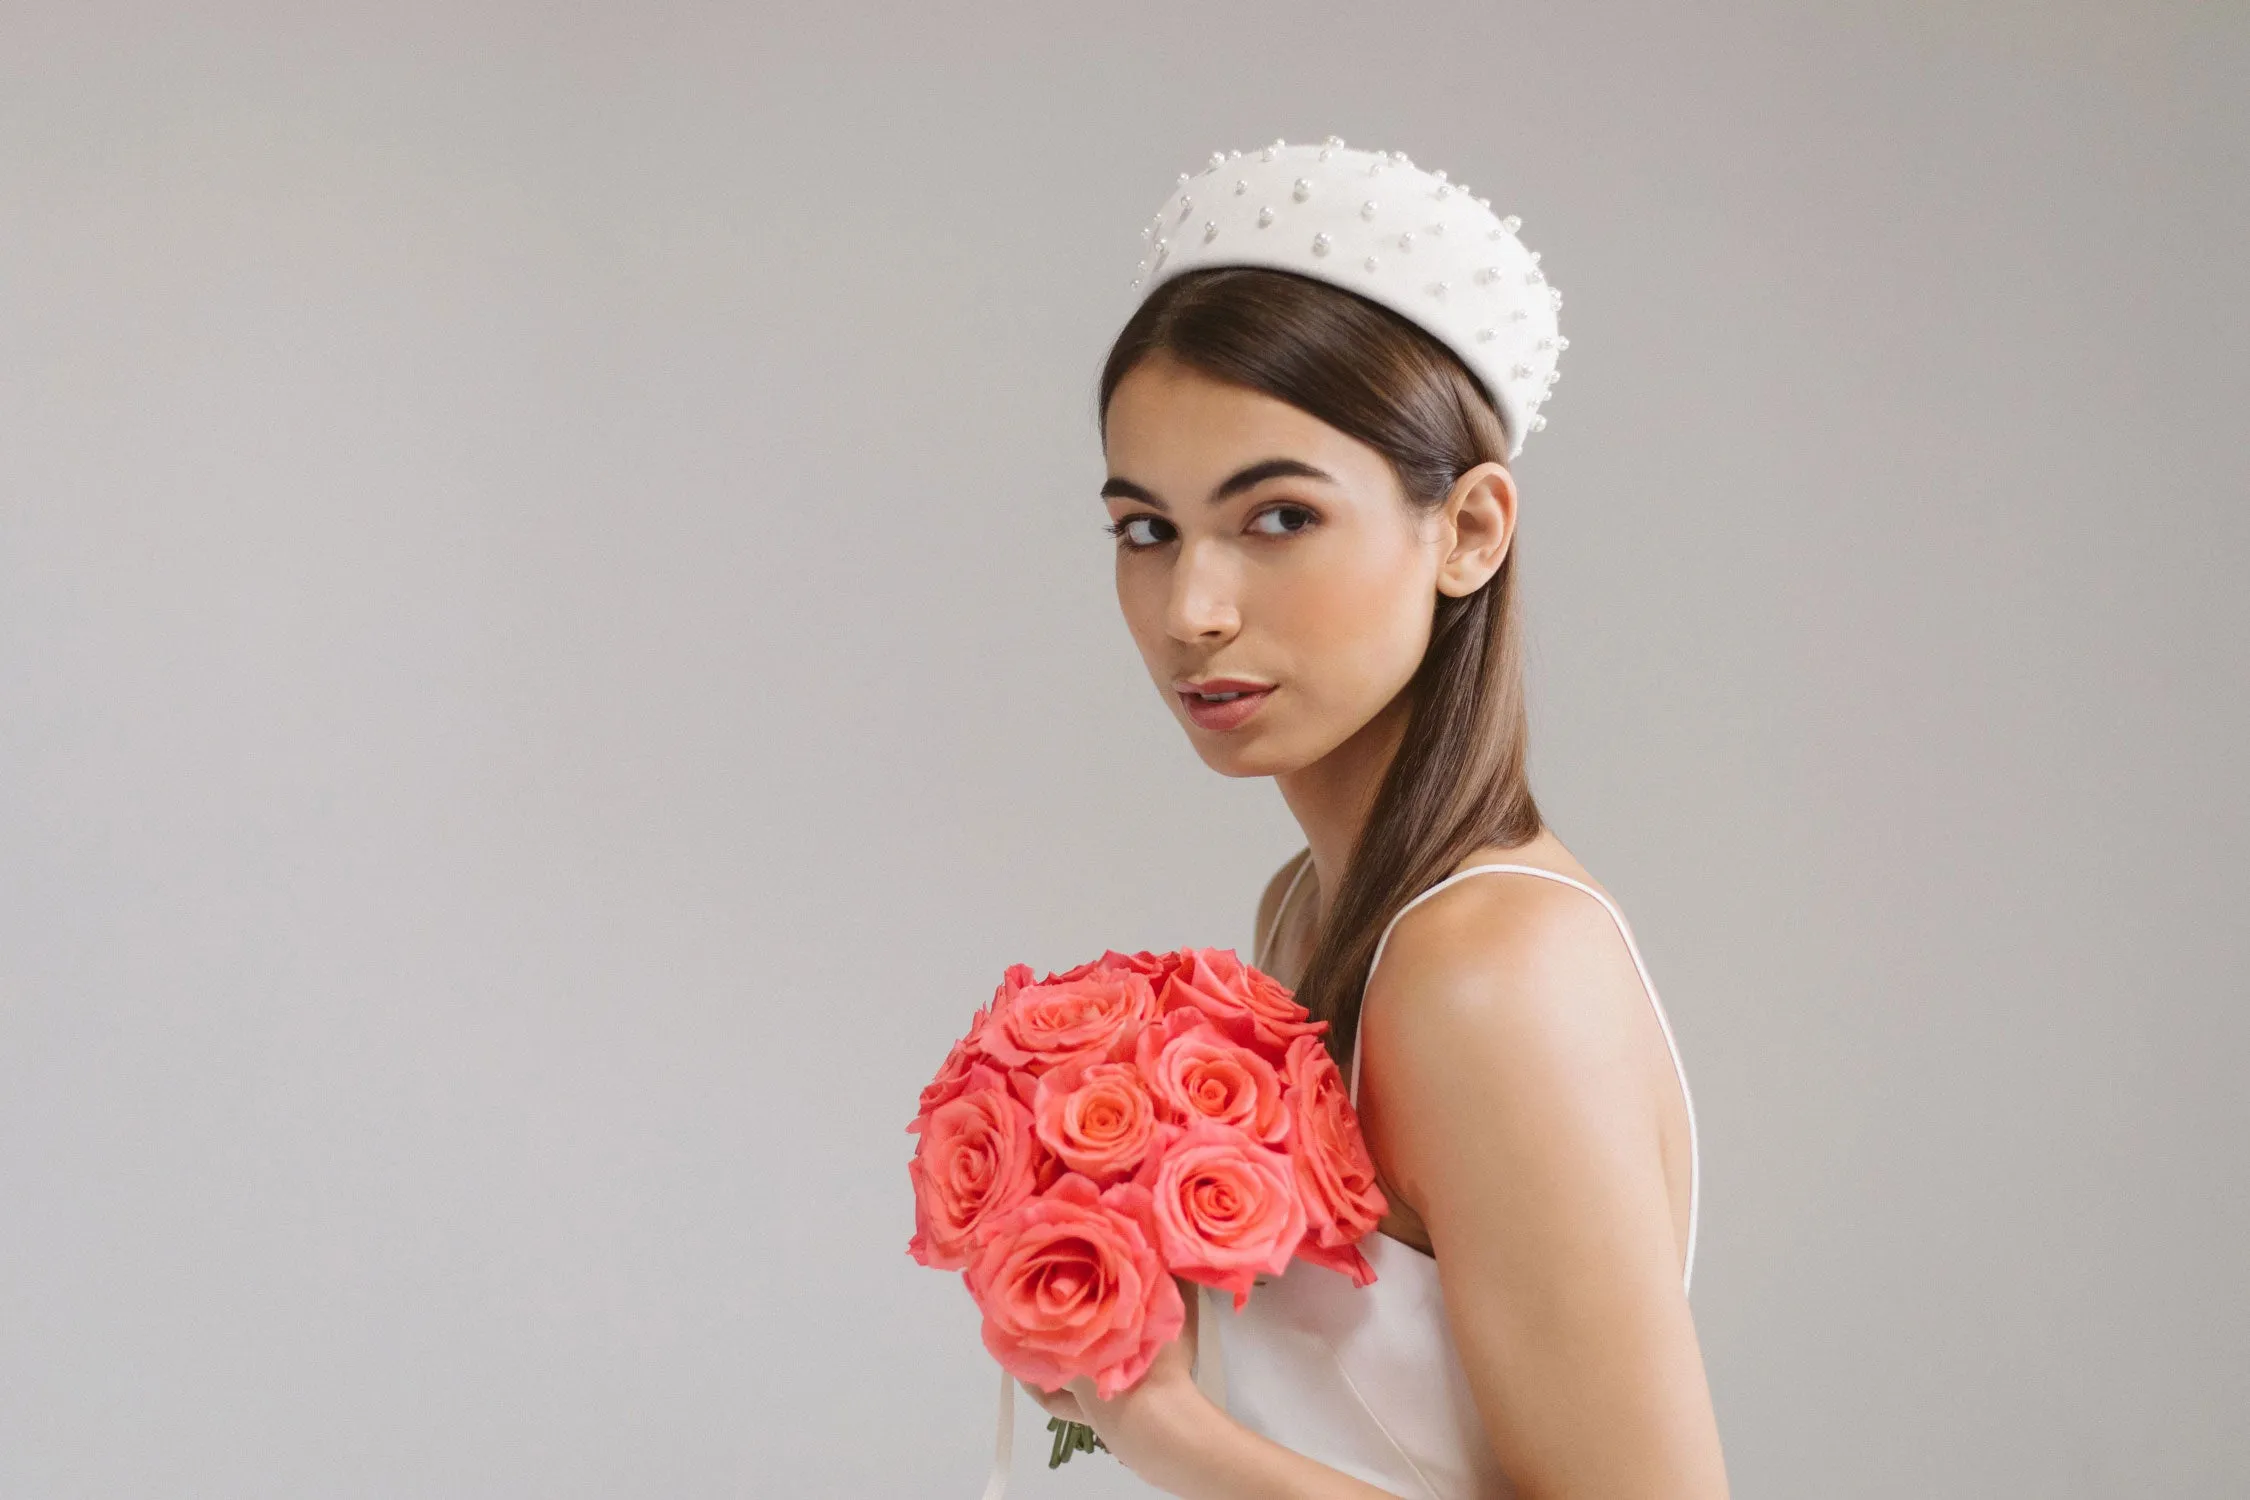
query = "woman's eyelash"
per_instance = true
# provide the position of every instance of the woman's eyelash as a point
(1289, 507)
(1116, 530)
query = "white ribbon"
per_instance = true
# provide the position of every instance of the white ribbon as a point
(1004, 1439)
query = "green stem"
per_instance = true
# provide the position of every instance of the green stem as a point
(1070, 1438)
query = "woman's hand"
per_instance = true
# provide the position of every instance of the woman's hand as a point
(1141, 1424)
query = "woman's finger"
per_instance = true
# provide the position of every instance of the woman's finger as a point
(1057, 1403)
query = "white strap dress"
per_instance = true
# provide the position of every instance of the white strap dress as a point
(1367, 1379)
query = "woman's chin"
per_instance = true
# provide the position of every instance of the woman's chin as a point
(1241, 754)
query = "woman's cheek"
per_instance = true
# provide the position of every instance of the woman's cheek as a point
(1364, 644)
(1140, 597)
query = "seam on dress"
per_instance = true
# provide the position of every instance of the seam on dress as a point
(1353, 1386)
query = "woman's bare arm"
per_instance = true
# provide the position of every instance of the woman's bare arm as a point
(1506, 1082)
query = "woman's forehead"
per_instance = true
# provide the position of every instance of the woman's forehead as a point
(1170, 417)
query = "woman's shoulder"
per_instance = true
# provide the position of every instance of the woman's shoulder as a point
(1508, 951)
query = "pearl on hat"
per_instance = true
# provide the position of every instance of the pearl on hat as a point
(1478, 320)
(1539, 424)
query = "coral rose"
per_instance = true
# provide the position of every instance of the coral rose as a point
(976, 1159)
(1154, 967)
(1094, 1018)
(1197, 1072)
(953, 1074)
(1226, 1207)
(1334, 1171)
(1252, 1007)
(1097, 1117)
(1071, 1284)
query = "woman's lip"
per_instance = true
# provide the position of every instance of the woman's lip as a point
(1221, 685)
(1232, 713)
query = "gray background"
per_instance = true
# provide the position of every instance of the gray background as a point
(553, 641)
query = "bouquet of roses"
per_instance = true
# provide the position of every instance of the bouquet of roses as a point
(1140, 1117)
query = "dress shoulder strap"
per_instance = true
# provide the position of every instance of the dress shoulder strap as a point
(1671, 1044)
(1264, 951)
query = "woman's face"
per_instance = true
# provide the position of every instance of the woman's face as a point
(1262, 553)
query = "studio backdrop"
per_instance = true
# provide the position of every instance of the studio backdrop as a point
(555, 636)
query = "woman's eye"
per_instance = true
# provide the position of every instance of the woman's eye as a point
(1141, 531)
(1285, 520)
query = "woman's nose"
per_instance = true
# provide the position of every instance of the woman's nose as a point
(1202, 606)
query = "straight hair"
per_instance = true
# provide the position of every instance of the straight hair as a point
(1459, 780)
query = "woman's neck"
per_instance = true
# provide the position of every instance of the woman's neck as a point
(1332, 797)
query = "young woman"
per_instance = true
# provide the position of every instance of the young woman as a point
(1314, 519)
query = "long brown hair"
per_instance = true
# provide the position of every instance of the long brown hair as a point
(1459, 780)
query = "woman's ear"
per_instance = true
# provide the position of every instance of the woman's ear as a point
(1480, 515)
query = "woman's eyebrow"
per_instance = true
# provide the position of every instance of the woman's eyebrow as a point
(1117, 487)
(1271, 468)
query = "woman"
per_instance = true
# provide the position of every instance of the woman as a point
(1307, 430)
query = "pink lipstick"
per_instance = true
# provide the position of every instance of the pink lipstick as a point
(1222, 702)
